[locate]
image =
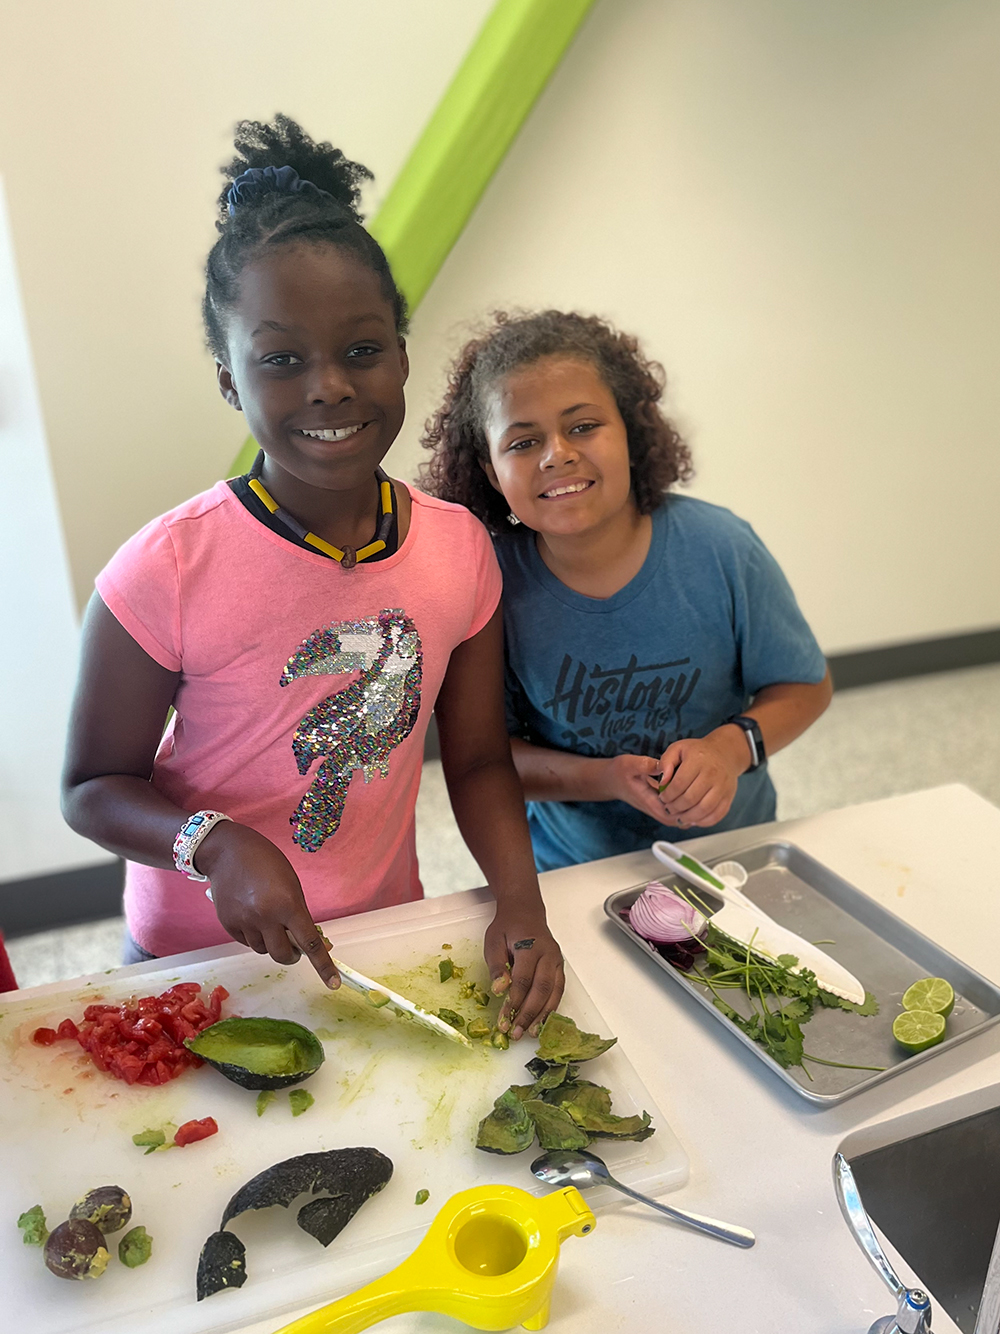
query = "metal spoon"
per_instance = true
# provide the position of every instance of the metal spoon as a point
(559, 1167)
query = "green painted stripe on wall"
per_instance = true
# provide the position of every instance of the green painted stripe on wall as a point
(465, 140)
(243, 461)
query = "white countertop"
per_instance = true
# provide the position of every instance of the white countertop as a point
(760, 1155)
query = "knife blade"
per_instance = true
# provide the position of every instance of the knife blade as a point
(385, 996)
(746, 924)
(358, 982)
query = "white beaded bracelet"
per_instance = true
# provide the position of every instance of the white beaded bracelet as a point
(189, 839)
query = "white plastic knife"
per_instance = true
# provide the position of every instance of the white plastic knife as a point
(383, 996)
(743, 922)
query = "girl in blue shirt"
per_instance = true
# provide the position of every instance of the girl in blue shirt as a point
(655, 651)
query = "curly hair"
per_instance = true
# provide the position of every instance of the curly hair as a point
(658, 456)
(328, 213)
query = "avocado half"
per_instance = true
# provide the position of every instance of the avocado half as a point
(259, 1053)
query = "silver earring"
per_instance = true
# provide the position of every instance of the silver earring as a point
(513, 520)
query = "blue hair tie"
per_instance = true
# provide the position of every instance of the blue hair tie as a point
(256, 182)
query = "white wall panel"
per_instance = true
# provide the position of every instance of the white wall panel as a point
(38, 625)
(114, 120)
(795, 203)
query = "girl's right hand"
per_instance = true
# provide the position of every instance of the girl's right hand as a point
(258, 898)
(627, 779)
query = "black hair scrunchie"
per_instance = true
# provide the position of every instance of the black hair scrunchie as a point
(256, 182)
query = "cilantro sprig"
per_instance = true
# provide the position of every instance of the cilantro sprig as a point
(781, 1000)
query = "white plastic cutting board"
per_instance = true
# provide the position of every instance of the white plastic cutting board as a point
(65, 1128)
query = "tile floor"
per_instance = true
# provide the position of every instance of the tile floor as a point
(876, 741)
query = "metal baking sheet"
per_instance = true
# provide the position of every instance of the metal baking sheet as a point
(883, 952)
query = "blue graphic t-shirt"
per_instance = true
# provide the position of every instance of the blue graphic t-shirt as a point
(707, 622)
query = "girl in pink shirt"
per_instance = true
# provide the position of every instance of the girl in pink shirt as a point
(303, 621)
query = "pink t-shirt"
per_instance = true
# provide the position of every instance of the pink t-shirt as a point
(304, 698)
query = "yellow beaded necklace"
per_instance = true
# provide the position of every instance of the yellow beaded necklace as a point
(349, 556)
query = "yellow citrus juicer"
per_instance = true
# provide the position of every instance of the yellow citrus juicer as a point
(489, 1258)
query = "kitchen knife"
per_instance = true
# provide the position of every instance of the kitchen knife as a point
(383, 996)
(742, 921)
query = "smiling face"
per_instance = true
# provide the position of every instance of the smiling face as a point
(558, 447)
(315, 364)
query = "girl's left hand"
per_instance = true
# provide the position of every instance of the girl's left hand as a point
(525, 962)
(700, 776)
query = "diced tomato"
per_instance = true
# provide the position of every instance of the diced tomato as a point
(141, 1040)
(127, 1066)
(191, 1131)
(182, 991)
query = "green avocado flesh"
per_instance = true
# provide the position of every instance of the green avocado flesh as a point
(259, 1053)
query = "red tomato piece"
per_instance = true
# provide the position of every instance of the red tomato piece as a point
(182, 991)
(141, 1040)
(192, 1131)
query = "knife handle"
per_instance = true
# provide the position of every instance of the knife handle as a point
(688, 868)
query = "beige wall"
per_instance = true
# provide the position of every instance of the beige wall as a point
(796, 203)
(114, 118)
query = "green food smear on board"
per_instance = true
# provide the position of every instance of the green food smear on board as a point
(264, 1098)
(422, 1196)
(32, 1225)
(465, 994)
(135, 1247)
(300, 1101)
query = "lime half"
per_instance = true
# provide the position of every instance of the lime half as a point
(916, 1030)
(930, 993)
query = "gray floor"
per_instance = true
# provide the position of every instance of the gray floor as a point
(872, 742)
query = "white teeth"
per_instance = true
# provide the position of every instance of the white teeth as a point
(567, 490)
(334, 435)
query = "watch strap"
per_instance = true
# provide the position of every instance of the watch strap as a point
(755, 739)
(189, 839)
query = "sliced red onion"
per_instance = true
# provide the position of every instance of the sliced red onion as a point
(660, 914)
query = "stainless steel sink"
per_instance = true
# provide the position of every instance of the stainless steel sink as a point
(930, 1182)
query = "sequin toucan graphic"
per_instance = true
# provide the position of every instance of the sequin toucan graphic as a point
(357, 728)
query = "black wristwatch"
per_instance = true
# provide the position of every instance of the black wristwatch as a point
(754, 739)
